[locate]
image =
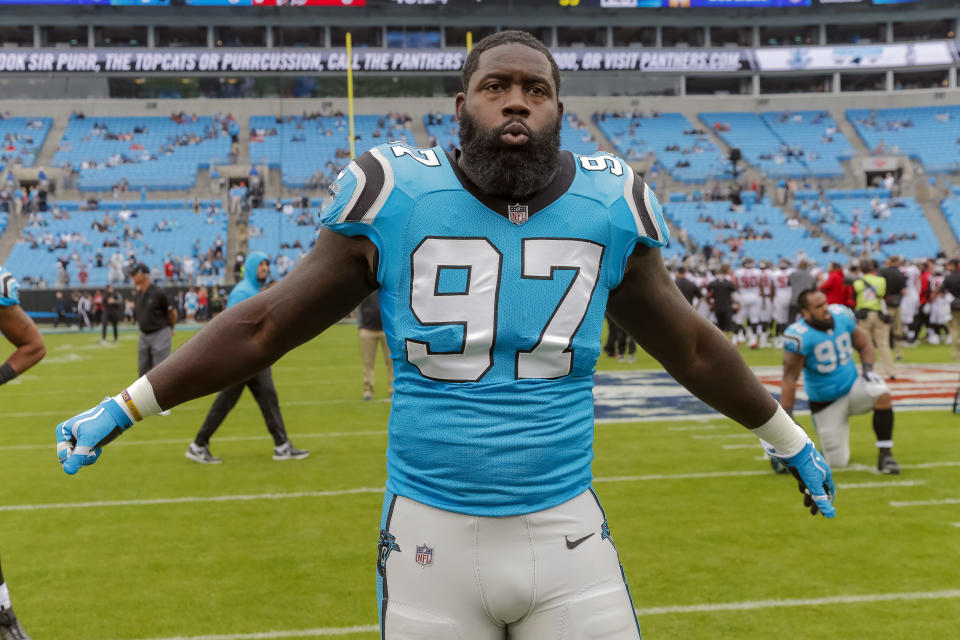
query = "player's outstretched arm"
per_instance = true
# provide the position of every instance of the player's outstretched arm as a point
(649, 306)
(329, 283)
(17, 327)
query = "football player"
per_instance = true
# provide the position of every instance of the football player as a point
(494, 265)
(821, 345)
(747, 279)
(782, 295)
(17, 327)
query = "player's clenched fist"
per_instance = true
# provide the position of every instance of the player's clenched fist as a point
(79, 439)
(815, 478)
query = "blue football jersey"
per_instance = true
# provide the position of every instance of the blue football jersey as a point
(493, 312)
(829, 370)
(9, 289)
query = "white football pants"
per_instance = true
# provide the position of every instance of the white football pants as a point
(549, 575)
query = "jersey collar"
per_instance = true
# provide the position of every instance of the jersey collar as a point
(542, 199)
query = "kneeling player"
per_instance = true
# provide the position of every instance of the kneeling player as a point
(822, 344)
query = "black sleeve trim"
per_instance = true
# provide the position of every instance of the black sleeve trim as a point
(640, 201)
(373, 185)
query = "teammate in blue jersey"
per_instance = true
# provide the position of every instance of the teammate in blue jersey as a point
(822, 345)
(17, 327)
(494, 266)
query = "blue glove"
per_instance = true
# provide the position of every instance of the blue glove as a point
(814, 478)
(79, 439)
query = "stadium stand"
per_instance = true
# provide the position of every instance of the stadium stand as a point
(683, 150)
(21, 140)
(927, 134)
(760, 229)
(145, 232)
(311, 150)
(785, 144)
(144, 152)
(951, 211)
(285, 234)
(574, 136)
(870, 220)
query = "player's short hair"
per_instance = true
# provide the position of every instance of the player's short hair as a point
(502, 38)
(141, 268)
(804, 296)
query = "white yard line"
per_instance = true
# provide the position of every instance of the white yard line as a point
(719, 436)
(811, 602)
(881, 485)
(186, 441)
(924, 503)
(188, 499)
(293, 633)
(649, 611)
(342, 492)
(701, 427)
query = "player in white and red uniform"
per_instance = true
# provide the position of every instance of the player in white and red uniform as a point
(910, 303)
(939, 307)
(766, 301)
(781, 295)
(747, 279)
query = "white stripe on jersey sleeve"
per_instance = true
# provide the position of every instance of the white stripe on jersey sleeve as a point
(385, 190)
(650, 210)
(361, 178)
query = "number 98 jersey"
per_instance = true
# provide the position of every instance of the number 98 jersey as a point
(493, 313)
(829, 370)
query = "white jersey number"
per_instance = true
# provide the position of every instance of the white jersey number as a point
(828, 356)
(475, 309)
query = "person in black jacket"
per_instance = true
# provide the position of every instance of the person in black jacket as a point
(896, 288)
(951, 285)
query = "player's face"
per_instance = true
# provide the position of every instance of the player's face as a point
(817, 312)
(510, 122)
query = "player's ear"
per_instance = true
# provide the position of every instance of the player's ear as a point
(460, 100)
(559, 109)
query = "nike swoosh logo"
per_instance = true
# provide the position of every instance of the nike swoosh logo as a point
(576, 543)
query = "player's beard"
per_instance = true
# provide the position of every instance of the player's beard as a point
(513, 172)
(821, 325)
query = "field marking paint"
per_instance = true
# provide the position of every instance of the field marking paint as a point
(955, 524)
(343, 492)
(293, 633)
(752, 445)
(719, 436)
(188, 499)
(701, 427)
(925, 503)
(648, 611)
(881, 485)
(804, 602)
(182, 441)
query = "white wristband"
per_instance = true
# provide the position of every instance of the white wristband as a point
(781, 436)
(138, 400)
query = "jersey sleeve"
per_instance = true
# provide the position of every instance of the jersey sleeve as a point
(360, 194)
(843, 317)
(793, 339)
(638, 219)
(9, 289)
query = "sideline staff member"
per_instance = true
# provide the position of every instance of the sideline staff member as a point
(156, 319)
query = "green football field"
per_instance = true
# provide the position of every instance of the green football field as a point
(147, 544)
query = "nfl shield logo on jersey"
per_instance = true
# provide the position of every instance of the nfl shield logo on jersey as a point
(519, 213)
(424, 555)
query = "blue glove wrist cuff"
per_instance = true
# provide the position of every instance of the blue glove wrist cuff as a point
(117, 413)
